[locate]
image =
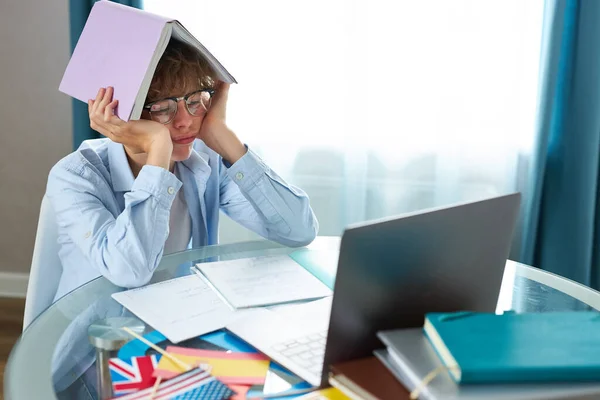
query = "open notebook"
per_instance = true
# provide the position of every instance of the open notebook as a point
(120, 46)
(260, 281)
(190, 306)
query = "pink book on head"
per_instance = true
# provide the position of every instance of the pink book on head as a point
(120, 46)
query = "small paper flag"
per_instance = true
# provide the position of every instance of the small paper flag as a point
(231, 368)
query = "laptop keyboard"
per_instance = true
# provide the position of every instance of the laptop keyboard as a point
(306, 351)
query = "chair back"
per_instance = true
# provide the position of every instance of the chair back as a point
(46, 267)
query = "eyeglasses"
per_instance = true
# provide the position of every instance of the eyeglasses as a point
(197, 103)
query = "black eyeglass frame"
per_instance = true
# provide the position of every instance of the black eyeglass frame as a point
(148, 106)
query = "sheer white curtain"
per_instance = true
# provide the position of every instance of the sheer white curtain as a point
(376, 108)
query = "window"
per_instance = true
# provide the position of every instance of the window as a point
(376, 108)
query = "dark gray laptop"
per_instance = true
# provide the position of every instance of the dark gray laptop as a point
(391, 272)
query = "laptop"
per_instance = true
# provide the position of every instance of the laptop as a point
(390, 273)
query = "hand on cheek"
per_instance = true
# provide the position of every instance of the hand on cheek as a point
(214, 131)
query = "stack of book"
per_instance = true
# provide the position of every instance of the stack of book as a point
(511, 356)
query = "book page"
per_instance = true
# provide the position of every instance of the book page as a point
(180, 308)
(262, 281)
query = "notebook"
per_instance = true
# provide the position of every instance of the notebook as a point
(552, 346)
(179, 308)
(120, 46)
(188, 306)
(368, 379)
(410, 357)
(261, 281)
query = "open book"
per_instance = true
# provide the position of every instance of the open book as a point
(120, 46)
(260, 281)
(192, 305)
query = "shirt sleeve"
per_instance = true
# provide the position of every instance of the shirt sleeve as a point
(125, 247)
(257, 198)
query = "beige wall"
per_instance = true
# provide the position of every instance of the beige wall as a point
(35, 118)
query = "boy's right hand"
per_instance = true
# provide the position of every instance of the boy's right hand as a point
(139, 136)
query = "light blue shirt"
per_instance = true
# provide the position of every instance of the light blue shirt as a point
(115, 225)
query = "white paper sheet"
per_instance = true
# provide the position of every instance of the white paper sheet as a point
(262, 281)
(180, 308)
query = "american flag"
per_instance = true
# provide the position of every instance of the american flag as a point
(191, 385)
(132, 376)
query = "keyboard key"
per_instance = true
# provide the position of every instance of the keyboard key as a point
(307, 351)
(279, 347)
(316, 360)
(302, 348)
(318, 352)
(288, 352)
(316, 368)
(302, 362)
(294, 350)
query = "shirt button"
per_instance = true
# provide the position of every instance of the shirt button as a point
(88, 234)
(171, 190)
(239, 176)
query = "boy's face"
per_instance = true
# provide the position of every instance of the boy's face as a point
(184, 127)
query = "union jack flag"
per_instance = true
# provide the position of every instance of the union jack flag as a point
(132, 376)
(191, 385)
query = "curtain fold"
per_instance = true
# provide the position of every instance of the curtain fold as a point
(561, 218)
(79, 11)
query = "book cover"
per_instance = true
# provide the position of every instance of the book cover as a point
(552, 346)
(116, 47)
(120, 46)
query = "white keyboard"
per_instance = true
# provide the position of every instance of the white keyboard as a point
(306, 351)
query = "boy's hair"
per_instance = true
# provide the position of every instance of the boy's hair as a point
(180, 69)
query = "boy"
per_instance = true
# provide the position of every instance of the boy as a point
(158, 183)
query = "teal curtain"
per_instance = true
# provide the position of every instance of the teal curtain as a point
(79, 11)
(561, 215)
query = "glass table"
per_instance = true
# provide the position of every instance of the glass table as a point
(55, 350)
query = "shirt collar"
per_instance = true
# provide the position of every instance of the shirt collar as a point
(198, 164)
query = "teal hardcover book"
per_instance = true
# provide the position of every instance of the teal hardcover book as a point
(487, 348)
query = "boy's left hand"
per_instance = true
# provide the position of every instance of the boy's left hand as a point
(214, 131)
